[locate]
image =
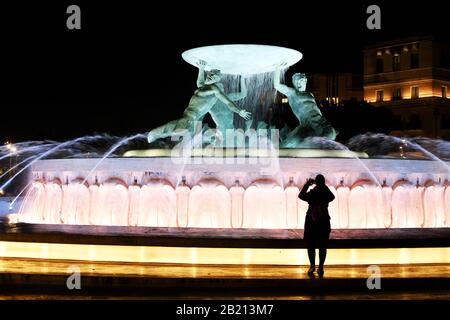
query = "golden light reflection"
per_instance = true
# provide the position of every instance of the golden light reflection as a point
(427, 90)
(143, 254)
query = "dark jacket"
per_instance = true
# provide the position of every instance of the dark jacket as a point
(319, 197)
(317, 220)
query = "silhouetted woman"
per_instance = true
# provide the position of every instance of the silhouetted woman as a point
(317, 220)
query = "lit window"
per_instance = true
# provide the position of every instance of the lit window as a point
(284, 100)
(414, 92)
(380, 95)
(444, 91)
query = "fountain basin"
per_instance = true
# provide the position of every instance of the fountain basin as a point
(242, 59)
(240, 193)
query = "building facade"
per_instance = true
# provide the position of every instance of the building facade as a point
(411, 77)
(336, 87)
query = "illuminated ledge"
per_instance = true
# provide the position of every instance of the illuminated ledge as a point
(222, 238)
(243, 152)
(178, 255)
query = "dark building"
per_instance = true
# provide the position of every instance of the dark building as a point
(411, 77)
(336, 87)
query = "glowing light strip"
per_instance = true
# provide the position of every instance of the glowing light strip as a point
(242, 152)
(407, 98)
(144, 254)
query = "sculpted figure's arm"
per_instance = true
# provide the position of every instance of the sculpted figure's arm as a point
(287, 91)
(201, 73)
(235, 96)
(230, 104)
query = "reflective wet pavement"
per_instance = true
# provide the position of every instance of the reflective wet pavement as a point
(38, 279)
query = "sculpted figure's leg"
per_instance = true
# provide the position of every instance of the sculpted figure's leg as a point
(160, 132)
(316, 123)
(222, 117)
(323, 128)
(168, 129)
(329, 132)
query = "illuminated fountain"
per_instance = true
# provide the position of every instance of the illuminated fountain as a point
(414, 193)
(239, 187)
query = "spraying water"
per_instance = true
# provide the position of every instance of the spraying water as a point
(114, 148)
(49, 152)
(260, 98)
(26, 147)
(187, 145)
(11, 205)
(324, 142)
(379, 144)
(17, 165)
(429, 154)
(440, 148)
(273, 157)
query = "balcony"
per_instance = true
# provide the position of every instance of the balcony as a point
(399, 76)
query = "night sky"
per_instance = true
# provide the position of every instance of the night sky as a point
(123, 73)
